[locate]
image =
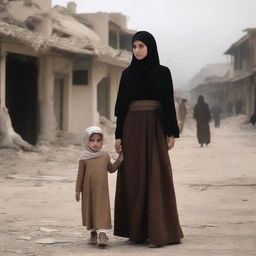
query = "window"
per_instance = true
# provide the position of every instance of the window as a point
(113, 39)
(125, 42)
(80, 77)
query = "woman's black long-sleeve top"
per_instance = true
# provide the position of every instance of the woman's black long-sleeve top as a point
(159, 87)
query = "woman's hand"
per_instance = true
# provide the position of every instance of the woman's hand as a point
(118, 146)
(77, 196)
(170, 142)
(121, 156)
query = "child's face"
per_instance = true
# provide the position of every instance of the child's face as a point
(95, 142)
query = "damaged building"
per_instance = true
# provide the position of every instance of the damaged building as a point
(236, 91)
(242, 89)
(59, 70)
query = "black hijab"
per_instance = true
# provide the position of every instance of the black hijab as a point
(142, 70)
(200, 100)
(146, 79)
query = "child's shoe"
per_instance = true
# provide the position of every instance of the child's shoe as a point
(152, 246)
(103, 239)
(93, 238)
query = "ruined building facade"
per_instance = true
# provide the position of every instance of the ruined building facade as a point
(59, 70)
(236, 91)
(242, 89)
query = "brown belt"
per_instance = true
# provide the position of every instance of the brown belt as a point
(144, 105)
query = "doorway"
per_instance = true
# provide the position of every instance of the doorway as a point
(58, 101)
(103, 97)
(21, 95)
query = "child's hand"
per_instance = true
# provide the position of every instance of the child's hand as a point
(77, 196)
(118, 146)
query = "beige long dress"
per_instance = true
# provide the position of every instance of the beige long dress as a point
(182, 112)
(92, 181)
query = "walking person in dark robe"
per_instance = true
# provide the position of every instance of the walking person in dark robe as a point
(145, 203)
(216, 111)
(203, 117)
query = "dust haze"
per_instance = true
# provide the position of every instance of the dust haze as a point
(190, 34)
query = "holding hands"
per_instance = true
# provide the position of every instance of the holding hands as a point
(121, 156)
(118, 146)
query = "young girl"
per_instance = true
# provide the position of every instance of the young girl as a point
(92, 182)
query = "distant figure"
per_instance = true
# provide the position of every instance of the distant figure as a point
(216, 111)
(230, 108)
(253, 118)
(182, 112)
(239, 106)
(203, 117)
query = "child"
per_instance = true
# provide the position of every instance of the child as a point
(92, 182)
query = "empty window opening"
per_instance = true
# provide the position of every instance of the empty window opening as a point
(80, 77)
(103, 97)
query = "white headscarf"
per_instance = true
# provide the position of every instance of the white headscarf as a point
(88, 153)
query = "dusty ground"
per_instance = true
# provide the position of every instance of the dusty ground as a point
(215, 187)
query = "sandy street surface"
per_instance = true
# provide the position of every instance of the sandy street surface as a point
(215, 188)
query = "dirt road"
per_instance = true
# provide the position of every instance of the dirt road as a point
(215, 189)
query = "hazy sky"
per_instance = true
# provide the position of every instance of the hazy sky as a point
(190, 33)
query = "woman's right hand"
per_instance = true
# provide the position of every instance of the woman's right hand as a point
(77, 196)
(118, 146)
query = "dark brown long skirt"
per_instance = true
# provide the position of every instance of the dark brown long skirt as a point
(145, 203)
(203, 132)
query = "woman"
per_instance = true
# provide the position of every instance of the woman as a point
(203, 117)
(145, 204)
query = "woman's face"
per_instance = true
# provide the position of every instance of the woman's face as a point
(140, 50)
